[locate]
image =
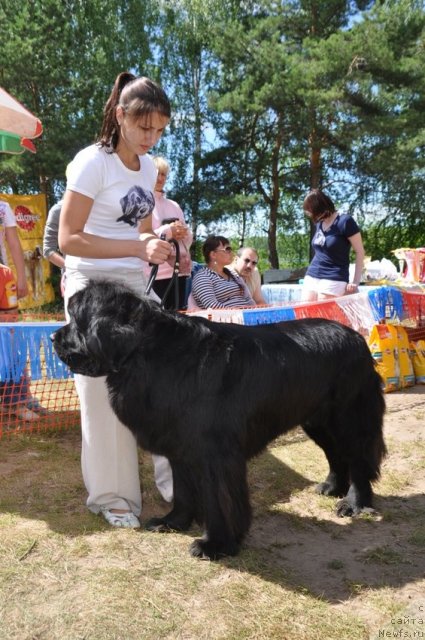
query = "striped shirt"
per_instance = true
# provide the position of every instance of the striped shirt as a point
(210, 290)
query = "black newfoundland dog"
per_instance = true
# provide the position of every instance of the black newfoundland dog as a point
(209, 396)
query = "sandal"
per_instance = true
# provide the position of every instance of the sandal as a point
(127, 520)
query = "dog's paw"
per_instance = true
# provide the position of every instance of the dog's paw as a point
(328, 489)
(158, 525)
(346, 509)
(208, 550)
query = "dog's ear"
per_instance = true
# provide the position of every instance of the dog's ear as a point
(111, 343)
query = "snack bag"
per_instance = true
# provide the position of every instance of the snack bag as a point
(407, 374)
(8, 289)
(383, 345)
(418, 360)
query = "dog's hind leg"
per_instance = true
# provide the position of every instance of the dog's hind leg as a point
(337, 481)
(227, 512)
(364, 465)
(185, 504)
(359, 496)
(364, 446)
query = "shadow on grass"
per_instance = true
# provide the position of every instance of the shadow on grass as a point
(330, 558)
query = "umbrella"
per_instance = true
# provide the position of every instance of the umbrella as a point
(17, 126)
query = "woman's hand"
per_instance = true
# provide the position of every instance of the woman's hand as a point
(154, 250)
(179, 230)
(351, 288)
(22, 287)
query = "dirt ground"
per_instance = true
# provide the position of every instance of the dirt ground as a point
(369, 553)
(298, 556)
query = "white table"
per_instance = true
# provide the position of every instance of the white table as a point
(279, 294)
(283, 294)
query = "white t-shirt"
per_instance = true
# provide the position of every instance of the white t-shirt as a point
(122, 198)
(7, 219)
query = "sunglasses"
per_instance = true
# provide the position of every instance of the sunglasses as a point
(253, 262)
(226, 250)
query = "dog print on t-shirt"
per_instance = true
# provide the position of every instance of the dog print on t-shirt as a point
(136, 205)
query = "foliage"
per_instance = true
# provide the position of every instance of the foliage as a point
(388, 101)
(317, 100)
(269, 100)
(60, 59)
(183, 40)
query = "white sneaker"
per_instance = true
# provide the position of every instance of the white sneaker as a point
(127, 520)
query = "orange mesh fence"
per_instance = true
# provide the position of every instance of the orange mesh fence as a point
(36, 390)
(52, 404)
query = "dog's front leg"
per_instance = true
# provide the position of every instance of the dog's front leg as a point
(184, 509)
(227, 511)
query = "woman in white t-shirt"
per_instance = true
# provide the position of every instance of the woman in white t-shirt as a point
(105, 231)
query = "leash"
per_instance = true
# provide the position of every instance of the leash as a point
(173, 279)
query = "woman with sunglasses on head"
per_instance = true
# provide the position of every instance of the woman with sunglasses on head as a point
(245, 264)
(216, 286)
(336, 234)
(105, 231)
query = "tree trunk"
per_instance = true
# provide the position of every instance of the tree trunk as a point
(271, 237)
(196, 74)
(315, 175)
(243, 229)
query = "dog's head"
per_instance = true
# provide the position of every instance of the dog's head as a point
(104, 328)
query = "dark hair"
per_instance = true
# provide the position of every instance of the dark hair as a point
(138, 97)
(211, 244)
(318, 205)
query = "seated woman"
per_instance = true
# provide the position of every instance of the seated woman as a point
(215, 286)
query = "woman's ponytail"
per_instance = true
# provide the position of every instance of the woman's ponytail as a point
(109, 133)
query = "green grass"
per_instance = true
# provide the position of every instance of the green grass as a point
(303, 573)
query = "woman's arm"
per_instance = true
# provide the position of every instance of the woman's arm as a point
(73, 240)
(51, 228)
(57, 259)
(50, 237)
(15, 249)
(357, 245)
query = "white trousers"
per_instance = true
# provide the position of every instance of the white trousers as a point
(109, 456)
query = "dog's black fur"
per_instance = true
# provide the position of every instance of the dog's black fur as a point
(209, 396)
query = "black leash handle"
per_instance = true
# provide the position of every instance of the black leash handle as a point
(174, 277)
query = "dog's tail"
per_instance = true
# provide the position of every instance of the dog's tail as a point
(372, 404)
